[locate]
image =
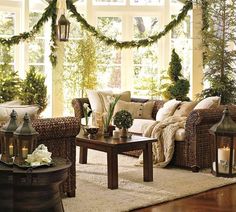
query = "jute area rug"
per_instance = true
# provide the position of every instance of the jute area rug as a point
(93, 195)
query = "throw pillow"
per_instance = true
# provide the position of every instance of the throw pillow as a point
(95, 101)
(184, 109)
(167, 109)
(105, 98)
(137, 109)
(6, 110)
(99, 100)
(209, 102)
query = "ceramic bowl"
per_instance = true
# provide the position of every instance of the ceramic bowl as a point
(92, 130)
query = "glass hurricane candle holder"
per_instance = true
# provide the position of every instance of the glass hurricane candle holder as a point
(25, 140)
(224, 147)
(7, 139)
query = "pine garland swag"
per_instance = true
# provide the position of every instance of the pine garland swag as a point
(50, 12)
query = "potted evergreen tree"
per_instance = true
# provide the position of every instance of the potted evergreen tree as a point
(123, 120)
(34, 90)
(179, 86)
(219, 56)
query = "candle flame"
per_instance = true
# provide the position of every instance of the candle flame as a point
(226, 148)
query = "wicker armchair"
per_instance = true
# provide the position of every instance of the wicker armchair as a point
(58, 134)
(192, 153)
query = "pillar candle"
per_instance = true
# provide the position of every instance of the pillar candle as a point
(24, 152)
(11, 150)
(224, 154)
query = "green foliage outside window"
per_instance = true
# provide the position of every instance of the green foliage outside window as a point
(9, 79)
(83, 74)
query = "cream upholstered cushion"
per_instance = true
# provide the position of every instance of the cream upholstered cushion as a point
(5, 111)
(184, 109)
(180, 134)
(95, 101)
(209, 102)
(137, 109)
(167, 109)
(105, 98)
(140, 125)
(99, 100)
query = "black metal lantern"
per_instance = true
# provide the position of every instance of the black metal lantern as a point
(7, 139)
(25, 140)
(224, 146)
(63, 28)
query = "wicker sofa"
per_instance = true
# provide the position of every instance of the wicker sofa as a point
(194, 151)
(58, 134)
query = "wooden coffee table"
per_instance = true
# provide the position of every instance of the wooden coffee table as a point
(113, 147)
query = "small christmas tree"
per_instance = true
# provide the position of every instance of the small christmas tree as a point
(219, 57)
(34, 91)
(179, 86)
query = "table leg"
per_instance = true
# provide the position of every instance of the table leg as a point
(147, 163)
(83, 155)
(112, 169)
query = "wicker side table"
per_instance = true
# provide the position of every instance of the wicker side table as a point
(33, 189)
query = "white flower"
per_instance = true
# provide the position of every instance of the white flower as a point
(39, 156)
(86, 107)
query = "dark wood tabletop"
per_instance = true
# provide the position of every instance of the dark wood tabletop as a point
(116, 146)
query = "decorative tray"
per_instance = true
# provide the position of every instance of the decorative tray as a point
(27, 165)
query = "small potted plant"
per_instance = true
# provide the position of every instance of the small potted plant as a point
(107, 117)
(86, 111)
(123, 120)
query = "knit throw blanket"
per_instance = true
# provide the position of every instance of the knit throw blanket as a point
(164, 132)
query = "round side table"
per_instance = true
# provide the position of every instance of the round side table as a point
(36, 189)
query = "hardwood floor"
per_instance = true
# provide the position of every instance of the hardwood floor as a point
(221, 199)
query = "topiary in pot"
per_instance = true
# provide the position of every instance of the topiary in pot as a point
(179, 86)
(123, 120)
(34, 90)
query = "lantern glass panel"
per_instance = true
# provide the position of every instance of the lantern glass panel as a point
(63, 32)
(222, 148)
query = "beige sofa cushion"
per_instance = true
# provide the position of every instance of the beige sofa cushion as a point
(167, 109)
(184, 109)
(137, 109)
(180, 134)
(5, 111)
(99, 100)
(140, 125)
(105, 98)
(209, 102)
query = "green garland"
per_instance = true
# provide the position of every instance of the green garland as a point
(53, 45)
(15, 39)
(50, 11)
(130, 44)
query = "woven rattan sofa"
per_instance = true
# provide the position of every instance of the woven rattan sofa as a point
(58, 134)
(194, 152)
